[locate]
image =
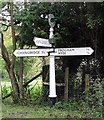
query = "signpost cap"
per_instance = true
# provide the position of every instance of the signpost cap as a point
(51, 20)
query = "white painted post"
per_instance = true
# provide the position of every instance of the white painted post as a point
(52, 87)
(52, 84)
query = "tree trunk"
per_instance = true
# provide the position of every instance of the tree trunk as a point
(10, 64)
(14, 85)
(12, 74)
(10, 69)
(21, 88)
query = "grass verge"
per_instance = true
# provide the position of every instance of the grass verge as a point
(45, 111)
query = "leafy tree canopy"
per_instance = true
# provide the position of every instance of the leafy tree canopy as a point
(72, 21)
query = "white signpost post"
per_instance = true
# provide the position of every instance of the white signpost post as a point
(52, 81)
(52, 53)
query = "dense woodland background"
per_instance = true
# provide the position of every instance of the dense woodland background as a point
(76, 25)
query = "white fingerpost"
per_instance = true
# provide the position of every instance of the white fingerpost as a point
(51, 33)
(52, 87)
(52, 84)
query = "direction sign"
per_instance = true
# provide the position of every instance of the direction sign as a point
(72, 51)
(31, 52)
(42, 42)
(57, 52)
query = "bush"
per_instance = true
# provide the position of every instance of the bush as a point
(5, 90)
(95, 97)
(35, 95)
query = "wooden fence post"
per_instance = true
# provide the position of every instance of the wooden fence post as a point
(87, 81)
(66, 80)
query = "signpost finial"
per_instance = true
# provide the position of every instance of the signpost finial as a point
(51, 20)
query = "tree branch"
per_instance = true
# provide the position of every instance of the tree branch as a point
(25, 85)
(4, 52)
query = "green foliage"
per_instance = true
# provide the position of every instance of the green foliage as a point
(34, 94)
(8, 44)
(93, 22)
(32, 66)
(71, 17)
(81, 108)
(95, 97)
(56, 39)
(60, 110)
(5, 90)
(73, 108)
(30, 17)
(3, 72)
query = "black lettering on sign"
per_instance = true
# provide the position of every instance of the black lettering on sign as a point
(42, 42)
(37, 52)
(43, 52)
(70, 49)
(64, 51)
(28, 52)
